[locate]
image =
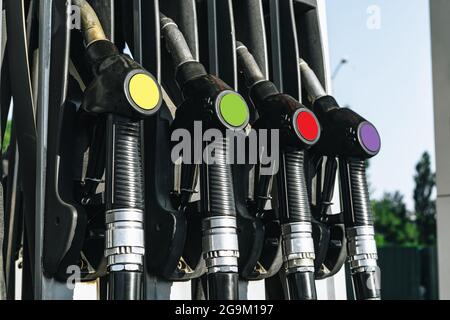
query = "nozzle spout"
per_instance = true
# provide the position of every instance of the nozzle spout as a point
(90, 24)
(312, 83)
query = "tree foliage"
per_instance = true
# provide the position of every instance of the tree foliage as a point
(395, 226)
(424, 204)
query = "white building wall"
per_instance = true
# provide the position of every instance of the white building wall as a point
(440, 34)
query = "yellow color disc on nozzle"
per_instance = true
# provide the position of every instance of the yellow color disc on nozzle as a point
(144, 91)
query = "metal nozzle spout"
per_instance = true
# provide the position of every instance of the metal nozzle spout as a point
(312, 83)
(248, 66)
(90, 24)
(175, 42)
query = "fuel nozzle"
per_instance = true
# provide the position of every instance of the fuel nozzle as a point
(299, 130)
(121, 86)
(125, 93)
(298, 126)
(353, 139)
(209, 100)
(345, 132)
(215, 101)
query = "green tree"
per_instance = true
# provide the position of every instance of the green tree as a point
(392, 222)
(424, 204)
(395, 226)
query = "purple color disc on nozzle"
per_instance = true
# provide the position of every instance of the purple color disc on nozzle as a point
(369, 137)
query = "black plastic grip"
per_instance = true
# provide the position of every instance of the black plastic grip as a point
(125, 172)
(298, 209)
(362, 209)
(220, 192)
(355, 194)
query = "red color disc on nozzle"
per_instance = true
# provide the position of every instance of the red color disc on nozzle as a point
(307, 126)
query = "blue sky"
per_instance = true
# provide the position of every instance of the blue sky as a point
(388, 80)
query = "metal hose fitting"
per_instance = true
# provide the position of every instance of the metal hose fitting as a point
(125, 240)
(362, 248)
(298, 247)
(220, 244)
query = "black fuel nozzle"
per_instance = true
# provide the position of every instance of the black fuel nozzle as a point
(353, 140)
(121, 86)
(299, 127)
(207, 98)
(345, 132)
(299, 130)
(125, 93)
(211, 103)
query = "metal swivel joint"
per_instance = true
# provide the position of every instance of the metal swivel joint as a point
(299, 130)
(353, 139)
(125, 94)
(213, 104)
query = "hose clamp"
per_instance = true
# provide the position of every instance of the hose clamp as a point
(362, 249)
(220, 244)
(298, 247)
(125, 244)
